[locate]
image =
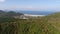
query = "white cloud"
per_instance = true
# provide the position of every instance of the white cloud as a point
(42, 8)
(2, 0)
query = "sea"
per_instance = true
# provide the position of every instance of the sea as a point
(37, 12)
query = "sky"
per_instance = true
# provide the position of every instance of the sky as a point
(34, 5)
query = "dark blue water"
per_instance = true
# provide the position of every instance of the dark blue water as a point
(37, 12)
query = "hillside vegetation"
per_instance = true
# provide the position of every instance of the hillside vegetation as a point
(44, 25)
(9, 13)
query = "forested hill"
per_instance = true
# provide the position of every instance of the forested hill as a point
(44, 25)
(9, 13)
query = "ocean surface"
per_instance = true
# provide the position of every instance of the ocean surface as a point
(37, 12)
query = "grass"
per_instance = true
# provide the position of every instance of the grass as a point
(43, 25)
